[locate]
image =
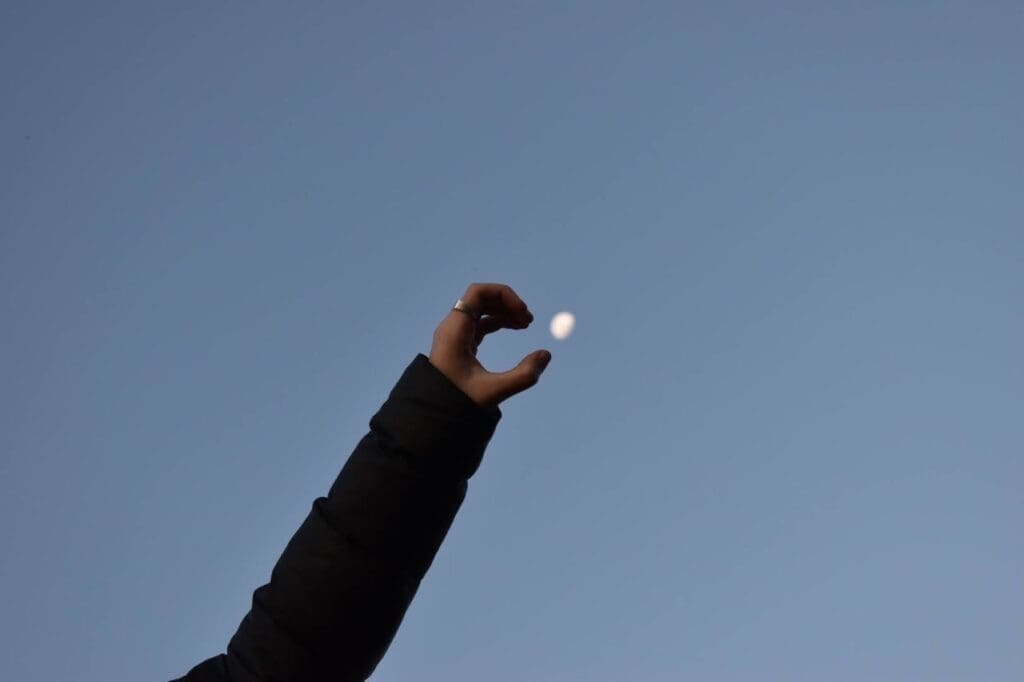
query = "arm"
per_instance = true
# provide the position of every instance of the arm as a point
(341, 587)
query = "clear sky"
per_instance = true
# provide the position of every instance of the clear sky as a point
(783, 443)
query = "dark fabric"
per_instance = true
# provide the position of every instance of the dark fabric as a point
(341, 587)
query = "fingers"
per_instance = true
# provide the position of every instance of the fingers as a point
(499, 386)
(486, 326)
(499, 307)
(498, 299)
(491, 324)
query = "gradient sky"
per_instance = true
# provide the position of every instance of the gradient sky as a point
(784, 442)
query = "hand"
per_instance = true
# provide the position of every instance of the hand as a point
(457, 337)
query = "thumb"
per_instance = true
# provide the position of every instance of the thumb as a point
(522, 376)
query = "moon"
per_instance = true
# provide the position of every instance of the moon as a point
(562, 325)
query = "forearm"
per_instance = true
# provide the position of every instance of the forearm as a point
(343, 584)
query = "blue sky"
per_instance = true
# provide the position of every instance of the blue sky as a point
(783, 443)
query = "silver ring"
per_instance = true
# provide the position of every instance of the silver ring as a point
(467, 308)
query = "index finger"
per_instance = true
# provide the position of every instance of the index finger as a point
(497, 299)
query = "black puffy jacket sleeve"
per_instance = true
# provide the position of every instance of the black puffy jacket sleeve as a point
(340, 589)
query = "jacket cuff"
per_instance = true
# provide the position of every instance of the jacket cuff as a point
(440, 428)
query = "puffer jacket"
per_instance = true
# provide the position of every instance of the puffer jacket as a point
(343, 583)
